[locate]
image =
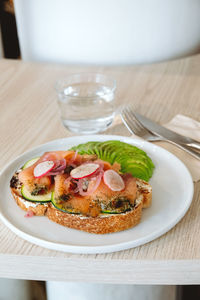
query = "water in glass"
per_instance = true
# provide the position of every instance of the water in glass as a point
(86, 107)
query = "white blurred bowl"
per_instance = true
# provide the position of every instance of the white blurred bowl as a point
(107, 31)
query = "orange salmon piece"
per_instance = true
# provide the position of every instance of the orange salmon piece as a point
(27, 178)
(76, 202)
(105, 194)
(87, 205)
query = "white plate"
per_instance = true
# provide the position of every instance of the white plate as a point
(172, 195)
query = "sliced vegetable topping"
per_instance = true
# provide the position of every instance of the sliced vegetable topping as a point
(59, 167)
(113, 180)
(62, 206)
(43, 168)
(91, 185)
(30, 162)
(132, 159)
(74, 157)
(29, 214)
(35, 198)
(84, 170)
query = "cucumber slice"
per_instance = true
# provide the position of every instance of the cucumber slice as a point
(30, 162)
(114, 212)
(110, 212)
(39, 198)
(61, 206)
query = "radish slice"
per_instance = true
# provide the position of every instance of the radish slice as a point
(43, 168)
(58, 168)
(84, 170)
(113, 180)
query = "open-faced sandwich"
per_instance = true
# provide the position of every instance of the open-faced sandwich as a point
(98, 187)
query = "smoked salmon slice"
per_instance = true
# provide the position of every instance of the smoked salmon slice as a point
(42, 184)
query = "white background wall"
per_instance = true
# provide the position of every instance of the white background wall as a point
(107, 31)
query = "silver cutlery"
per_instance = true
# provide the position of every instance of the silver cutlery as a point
(134, 125)
(166, 133)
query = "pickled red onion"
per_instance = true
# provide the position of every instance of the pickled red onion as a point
(94, 187)
(74, 157)
(29, 214)
(61, 166)
(67, 179)
(58, 169)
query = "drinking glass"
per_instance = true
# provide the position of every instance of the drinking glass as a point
(86, 102)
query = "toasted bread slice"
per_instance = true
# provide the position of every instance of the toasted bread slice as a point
(104, 223)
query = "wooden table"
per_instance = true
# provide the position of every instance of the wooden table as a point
(29, 117)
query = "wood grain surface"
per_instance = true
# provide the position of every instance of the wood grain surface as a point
(29, 117)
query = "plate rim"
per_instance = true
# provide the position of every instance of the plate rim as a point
(57, 246)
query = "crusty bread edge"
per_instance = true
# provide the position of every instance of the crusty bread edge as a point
(106, 223)
(145, 189)
(39, 210)
(99, 225)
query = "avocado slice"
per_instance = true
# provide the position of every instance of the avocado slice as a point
(132, 159)
(87, 148)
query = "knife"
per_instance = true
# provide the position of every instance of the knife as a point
(167, 133)
(183, 142)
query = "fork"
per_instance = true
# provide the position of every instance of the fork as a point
(136, 127)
